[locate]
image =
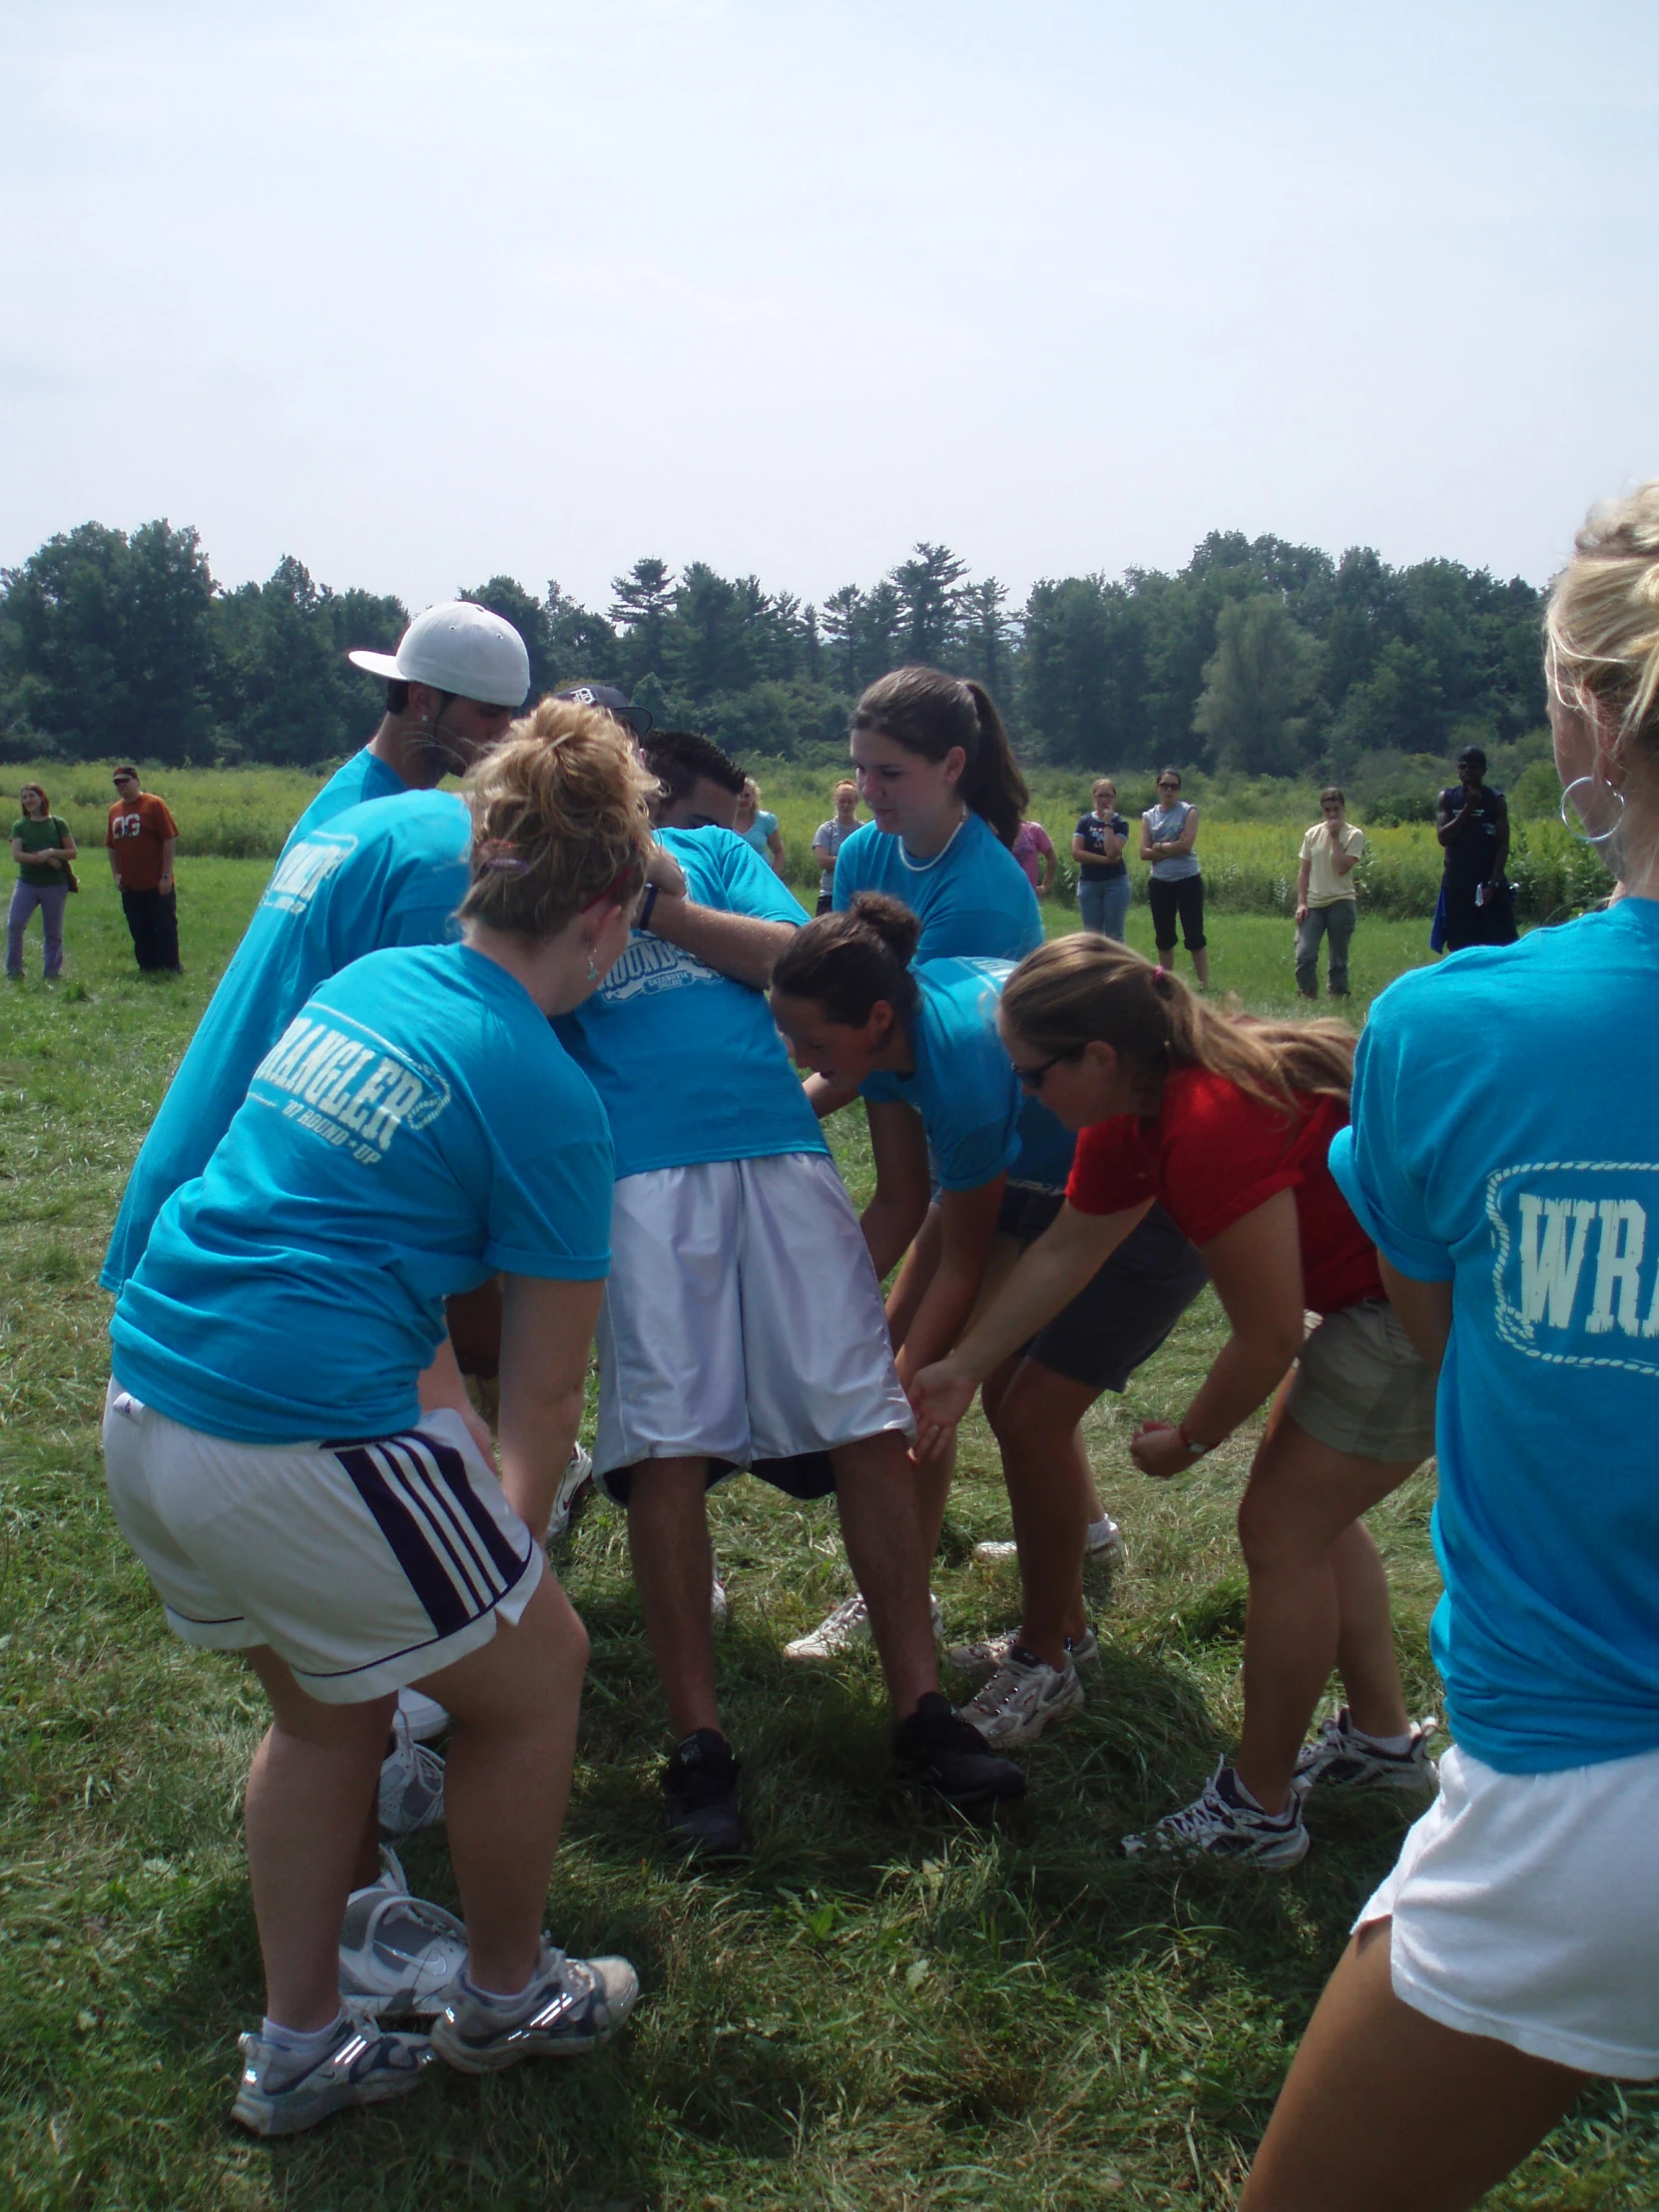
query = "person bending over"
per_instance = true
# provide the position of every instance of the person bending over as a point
(1227, 1124)
(719, 1347)
(416, 1128)
(1513, 1951)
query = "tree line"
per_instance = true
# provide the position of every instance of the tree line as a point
(1258, 657)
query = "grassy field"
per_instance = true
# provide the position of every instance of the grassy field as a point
(877, 2015)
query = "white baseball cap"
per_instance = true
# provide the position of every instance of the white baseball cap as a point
(459, 648)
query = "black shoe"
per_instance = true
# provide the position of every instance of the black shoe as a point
(700, 1783)
(938, 1749)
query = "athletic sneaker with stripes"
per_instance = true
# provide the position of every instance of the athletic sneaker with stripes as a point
(846, 1627)
(1219, 1824)
(285, 2089)
(1342, 1758)
(398, 1953)
(1022, 1698)
(571, 2005)
(981, 1661)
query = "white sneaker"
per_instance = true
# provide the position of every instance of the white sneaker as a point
(412, 1784)
(398, 1953)
(1105, 1543)
(1021, 1698)
(1218, 1824)
(981, 1661)
(1339, 1758)
(426, 1718)
(846, 1626)
(572, 2005)
(578, 1469)
(281, 2093)
(720, 1605)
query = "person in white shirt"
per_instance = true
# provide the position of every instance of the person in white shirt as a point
(829, 836)
(1325, 894)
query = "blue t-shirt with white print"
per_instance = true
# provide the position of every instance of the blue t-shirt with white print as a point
(416, 1129)
(1505, 1140)
(974, 899)
(689, 1062)
(363, 778)
(979, 1124)
(391, 873)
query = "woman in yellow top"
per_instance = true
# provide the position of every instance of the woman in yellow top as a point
(1325, 894)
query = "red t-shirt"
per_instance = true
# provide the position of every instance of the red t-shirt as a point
(1212, 1155)
(138, 829)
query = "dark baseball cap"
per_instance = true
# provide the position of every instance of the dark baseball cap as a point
(614, 703)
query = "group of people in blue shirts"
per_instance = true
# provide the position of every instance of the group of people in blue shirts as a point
(539, 1038)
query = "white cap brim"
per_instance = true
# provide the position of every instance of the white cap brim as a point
(376, 664)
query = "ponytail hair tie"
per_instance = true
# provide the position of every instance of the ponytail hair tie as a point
(501, 856)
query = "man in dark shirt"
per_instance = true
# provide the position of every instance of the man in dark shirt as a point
(1472, 824)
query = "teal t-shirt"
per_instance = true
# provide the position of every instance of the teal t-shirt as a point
(688, 1063)
(414, 1130)
(974, 899)
(363, 778)
(979, 1124)
(1503, 1141)
(391, 873)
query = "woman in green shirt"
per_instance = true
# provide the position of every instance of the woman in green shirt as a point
(43, 848)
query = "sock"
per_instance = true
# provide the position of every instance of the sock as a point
(500, 2000)
(1398, 1745)
(1252, 1803)
(300, 2043)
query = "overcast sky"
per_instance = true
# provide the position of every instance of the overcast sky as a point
(425, 292)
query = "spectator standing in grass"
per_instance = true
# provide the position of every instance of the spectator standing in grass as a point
(1325, 894)
(758, 827)
(1033, 848)
(142, 839)
(1102, 871)
(829, 839)
(1471, 820)
(1503, 1154)
(43, 850)
(1175, 891)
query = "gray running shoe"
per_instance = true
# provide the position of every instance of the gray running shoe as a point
(1341, 1758)
(981, 1661)
(1021, 1700)
(578, 1469)
(282, 2094)
(845, 1627)
(1218, 1824)
(412, 1784)
(571, 2005)
(398, 1953)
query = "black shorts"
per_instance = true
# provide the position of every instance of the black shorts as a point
(1120, 1318)
(1181, 901)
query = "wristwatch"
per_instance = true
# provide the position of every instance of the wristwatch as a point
(1189, 1444)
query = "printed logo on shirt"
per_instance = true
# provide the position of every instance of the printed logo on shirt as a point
(1576, 1280)
(126, 826)
(302, 867)
(649, 967)
(345, 1085)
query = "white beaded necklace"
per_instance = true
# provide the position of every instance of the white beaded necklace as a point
(921, 867)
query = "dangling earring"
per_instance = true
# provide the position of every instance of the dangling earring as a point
(1573, 820)
(593, 973)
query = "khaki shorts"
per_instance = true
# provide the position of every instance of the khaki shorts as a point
(1361, 1387)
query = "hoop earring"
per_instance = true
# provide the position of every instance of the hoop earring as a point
(1573, 821)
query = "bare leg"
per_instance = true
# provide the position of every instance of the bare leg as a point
(507, 1777)
(668, 1541)
(1301, 1498)
(1365, 1635)
(1034, 1418)
(932, 1483)
(1201, 967)
(1385, 2107)
(876, 1495)
(303, 1821)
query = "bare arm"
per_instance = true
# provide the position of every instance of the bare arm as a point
(1424, 1310)
(1501, 863)
(1302, 875)
(900, 1207)
(1049, 865)
(1184, 843)
(169, 845)
(546, 1330)
(775, 846)
(442, 1389)
(742, 946)
(1082, 851)
(1046, 1278)
(1447, 823)
(967, 1224)
(1149, 850)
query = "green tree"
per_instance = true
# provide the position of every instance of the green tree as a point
(1255, 685)
(640, 609)
(929, 585)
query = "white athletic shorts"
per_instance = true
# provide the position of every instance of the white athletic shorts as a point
(366, 1566)
(743, 1322)
(1525, 1908)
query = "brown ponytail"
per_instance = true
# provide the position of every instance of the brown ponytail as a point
(927, 712)
(1084, 988)
(845, 963)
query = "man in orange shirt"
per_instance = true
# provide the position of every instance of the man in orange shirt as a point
(141, 839)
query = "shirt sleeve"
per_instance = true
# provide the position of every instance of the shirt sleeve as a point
(169, 827)
(1221, 1166)
(1306, 853)
(970, 1158)
(109, 829)
(1375, 1161)
(1041, 839)
(753, 885)
(550, 1198)
(1111, 1169)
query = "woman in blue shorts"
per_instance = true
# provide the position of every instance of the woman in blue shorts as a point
(415, 1130)
(920, 1044)
(1513, 1190)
